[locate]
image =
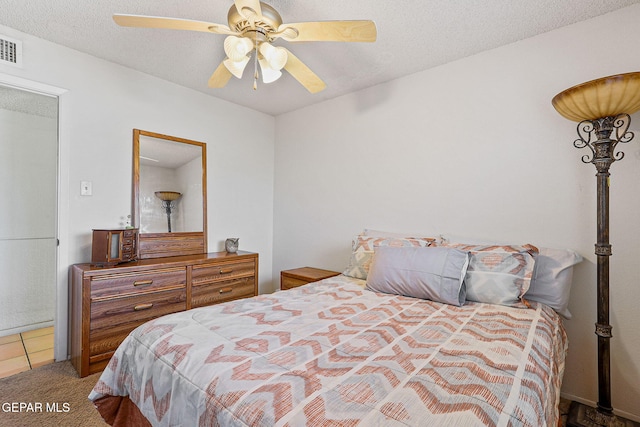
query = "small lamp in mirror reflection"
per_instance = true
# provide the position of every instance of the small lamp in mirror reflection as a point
(168, 203)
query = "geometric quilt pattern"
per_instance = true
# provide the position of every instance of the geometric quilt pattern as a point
(331, 353)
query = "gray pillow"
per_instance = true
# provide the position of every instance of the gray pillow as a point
(433, 273)
(552, 277)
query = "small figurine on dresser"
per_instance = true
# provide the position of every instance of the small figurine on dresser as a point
(231, 245)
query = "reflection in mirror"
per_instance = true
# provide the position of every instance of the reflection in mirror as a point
(170, 167)
(169, 194)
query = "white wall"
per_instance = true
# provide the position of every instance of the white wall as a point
(475, 148)
(151, 210)
(104, 102)
(190, 177)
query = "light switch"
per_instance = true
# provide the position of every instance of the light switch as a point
(85, 188)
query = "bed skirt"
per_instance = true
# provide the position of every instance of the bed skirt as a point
(120, 411)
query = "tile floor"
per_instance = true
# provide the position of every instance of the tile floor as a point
(28, 350)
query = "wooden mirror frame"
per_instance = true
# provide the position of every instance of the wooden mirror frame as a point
(157, 245)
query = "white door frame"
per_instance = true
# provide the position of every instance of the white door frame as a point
(61, 315)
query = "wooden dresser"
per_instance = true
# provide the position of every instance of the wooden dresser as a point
(109, 302)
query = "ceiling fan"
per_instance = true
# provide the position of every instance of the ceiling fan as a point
(253, 26)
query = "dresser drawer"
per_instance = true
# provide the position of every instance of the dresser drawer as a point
(127, 253)
(123, 284)
(217, 292)
(112, 319)
(128, 246)
(204, 274)
(291, 282)
(129, 233)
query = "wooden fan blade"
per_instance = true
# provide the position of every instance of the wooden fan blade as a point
(170, 24)
(248, 8)
(338, 31)
(303, 74)
(220, 77)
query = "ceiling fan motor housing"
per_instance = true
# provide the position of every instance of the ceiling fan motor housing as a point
(266, 23)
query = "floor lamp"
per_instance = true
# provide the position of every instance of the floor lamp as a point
(602, 108)
(168, 203)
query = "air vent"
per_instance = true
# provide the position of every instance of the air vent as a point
(10, 51)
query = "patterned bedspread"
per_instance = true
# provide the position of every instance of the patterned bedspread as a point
(333, 353)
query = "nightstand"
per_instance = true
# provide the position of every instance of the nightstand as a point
(301, 276)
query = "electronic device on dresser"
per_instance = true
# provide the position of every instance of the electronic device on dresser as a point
(110, 247)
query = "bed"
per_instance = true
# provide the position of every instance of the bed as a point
(340, 352)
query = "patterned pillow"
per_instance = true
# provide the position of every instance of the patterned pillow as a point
(363, 247)
(498, 274)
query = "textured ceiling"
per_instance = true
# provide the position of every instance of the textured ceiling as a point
(413, 35)
(23, 101)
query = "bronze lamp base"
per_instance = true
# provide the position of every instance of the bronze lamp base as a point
(585, 416)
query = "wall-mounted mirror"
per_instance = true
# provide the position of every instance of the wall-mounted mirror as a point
(169, 195)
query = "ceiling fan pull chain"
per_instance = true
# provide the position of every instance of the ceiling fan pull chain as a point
(255, 65)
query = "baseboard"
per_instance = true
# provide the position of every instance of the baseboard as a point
(623, 414)
(21, 329)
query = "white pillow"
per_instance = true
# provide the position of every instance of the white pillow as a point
(433, 273)
(552, 278)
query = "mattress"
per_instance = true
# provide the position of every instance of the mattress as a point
(334, 353)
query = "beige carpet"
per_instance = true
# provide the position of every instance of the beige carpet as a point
(58, 397)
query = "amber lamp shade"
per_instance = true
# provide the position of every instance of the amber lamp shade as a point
(604, 97)
(168, 196)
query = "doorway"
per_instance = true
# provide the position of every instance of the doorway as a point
(28, 209)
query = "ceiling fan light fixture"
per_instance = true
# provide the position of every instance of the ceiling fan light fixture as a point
(254, 25)
(276, 57)
(269, 75)
(236, 67)
(237, 48)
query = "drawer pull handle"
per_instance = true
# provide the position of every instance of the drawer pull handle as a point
(226, 290)
(143, 282)
(226, 270)
(143, 307)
